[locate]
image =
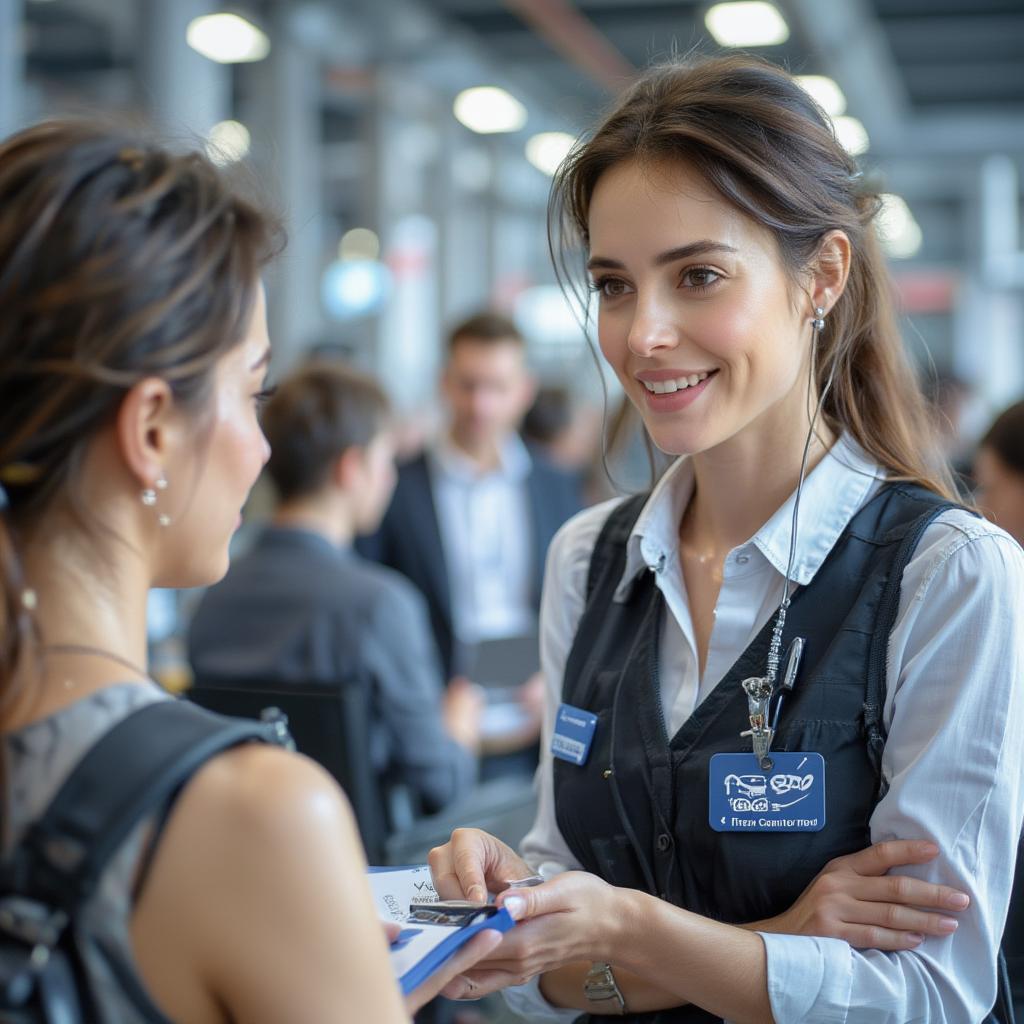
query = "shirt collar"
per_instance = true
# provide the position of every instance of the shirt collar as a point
(514, 462)
(836, 488)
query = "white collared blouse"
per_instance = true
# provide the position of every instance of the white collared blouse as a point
(954, 708)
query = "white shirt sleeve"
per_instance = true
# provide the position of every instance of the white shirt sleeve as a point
(543, 848)
(953, 760)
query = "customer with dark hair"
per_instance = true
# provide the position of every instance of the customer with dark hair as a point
(133, 349)
(999, 471)
(701, 787)
(302, 606)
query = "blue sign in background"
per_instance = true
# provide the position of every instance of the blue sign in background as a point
(790, 797)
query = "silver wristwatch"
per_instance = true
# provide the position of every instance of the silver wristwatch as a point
(599, 985)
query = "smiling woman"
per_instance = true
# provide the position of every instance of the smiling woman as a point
(799, 597)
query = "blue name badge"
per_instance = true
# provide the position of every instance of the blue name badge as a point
(790, 797)
(574, 732)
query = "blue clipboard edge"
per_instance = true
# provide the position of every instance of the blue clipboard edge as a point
(423, 969)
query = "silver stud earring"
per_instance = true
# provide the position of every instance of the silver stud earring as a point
(161, 481)
(148, 497)
(818, 323)
(164, 519)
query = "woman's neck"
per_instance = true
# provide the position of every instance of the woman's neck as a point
(83, 600)
(741, 484)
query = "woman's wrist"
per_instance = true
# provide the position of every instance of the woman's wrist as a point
(621, 927)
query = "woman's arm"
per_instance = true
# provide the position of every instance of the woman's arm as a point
(257, 906)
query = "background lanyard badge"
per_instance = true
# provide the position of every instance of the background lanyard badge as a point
(573, 735)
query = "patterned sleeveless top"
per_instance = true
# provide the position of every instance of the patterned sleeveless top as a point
(37, 760)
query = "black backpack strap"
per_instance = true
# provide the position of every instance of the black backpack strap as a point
(137, 766)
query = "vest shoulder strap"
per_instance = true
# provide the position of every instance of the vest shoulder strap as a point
(610, 547)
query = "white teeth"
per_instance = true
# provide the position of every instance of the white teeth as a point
(667, 387)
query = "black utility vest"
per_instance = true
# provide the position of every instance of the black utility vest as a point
(845, 615)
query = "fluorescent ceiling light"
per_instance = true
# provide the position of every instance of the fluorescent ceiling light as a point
(488, 109)
(750, 23)
(852, 135)
(898, 232)
(227, 39)
(359, 244)
(825, 92)
(547, 150)
(228, 142)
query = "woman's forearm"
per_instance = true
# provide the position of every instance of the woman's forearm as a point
(692, 959)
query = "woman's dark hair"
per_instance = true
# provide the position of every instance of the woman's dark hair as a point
(315, 415)
(119, 260)
(766, 147)
(1006, 437)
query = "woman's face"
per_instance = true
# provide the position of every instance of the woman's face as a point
(696, 314)
(1000, 492)
(207, 490)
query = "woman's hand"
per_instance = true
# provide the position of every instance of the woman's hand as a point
(853, 898)
(573, 917)
(473, 863)
(452, 972)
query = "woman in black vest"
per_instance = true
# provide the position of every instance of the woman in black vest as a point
(796, 646)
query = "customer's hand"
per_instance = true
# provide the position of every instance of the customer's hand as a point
(473, 863)
(453, 972)
(855, 899)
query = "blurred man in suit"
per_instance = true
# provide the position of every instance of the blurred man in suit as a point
(472, 517)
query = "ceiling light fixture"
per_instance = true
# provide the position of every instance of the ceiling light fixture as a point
(852, 134)
(547, 150)
(227, 39)
(487, 110)
(898, 231)
(748, 23)
(825, 92)
(228, 142)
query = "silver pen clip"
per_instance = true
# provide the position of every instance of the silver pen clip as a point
(759, 692)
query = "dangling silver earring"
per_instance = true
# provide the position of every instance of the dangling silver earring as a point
(148, 498)
(818, 323)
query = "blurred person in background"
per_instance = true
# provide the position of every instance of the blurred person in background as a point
(564, 430)
(472, 517)
(133, 352)
(999, 472)
(302, 606)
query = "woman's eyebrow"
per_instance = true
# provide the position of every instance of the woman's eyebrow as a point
(682, 252)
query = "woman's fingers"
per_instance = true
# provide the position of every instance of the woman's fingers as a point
(893, 917)
(884, 939)
(912, 892)
(471, 863)
(880, 858)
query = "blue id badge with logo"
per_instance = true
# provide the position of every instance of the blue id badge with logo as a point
(574, 732)
(788, 797)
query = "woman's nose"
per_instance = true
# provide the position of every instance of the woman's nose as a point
(652, 331)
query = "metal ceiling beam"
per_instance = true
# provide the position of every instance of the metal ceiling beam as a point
(576, 38)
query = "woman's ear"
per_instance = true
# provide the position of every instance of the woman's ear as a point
(146, 429)
(831, 269)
